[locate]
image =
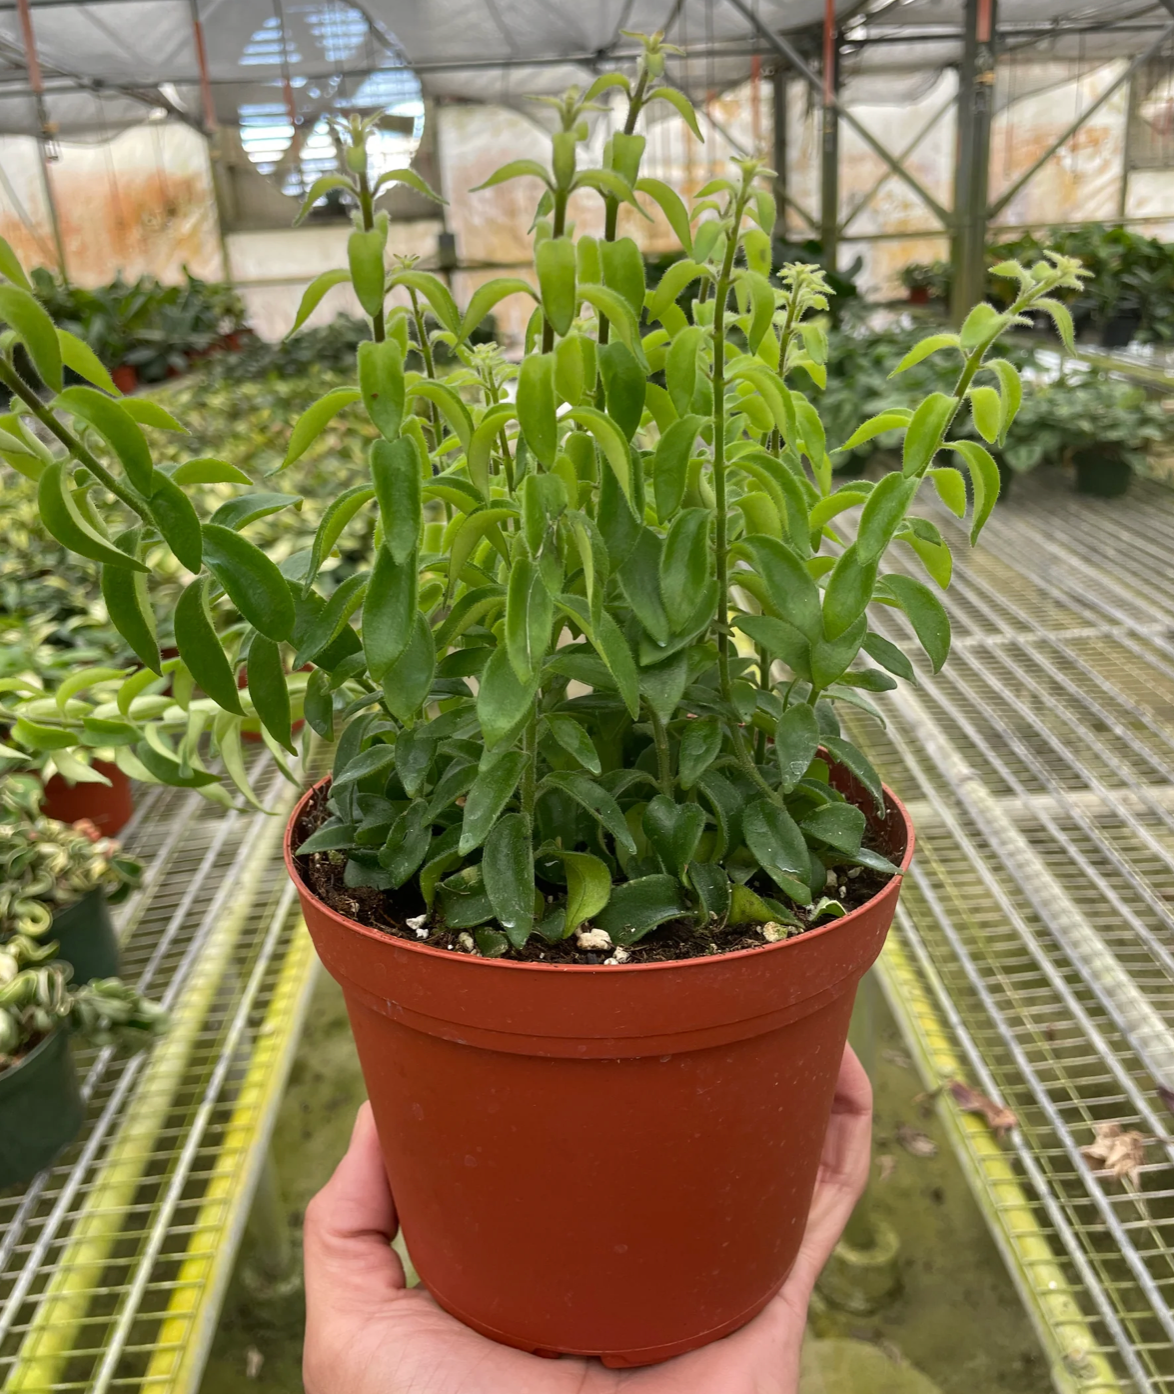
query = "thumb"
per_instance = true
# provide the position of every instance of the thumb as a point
(349, 1227)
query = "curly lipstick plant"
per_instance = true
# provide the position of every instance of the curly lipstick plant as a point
(591, 675)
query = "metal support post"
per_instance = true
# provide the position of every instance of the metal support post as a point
(779, 86)
(46, 133)
(829, 181)
(976, 89)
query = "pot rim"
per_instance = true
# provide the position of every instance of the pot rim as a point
(448, 956)
(41, 1047)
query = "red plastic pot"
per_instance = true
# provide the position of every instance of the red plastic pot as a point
(919, 295)
(108, 807)
(610, 1161)
(126, 377)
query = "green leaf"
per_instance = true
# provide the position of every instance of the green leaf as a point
(10, 267)
(951, 489)
(365, 248)
(685, 565)
(515, 169)
(381, 381)
(207, 470)
(114, 424)
(269, 691)
(331, 618)
(508, 871)
(313, 294)
(623, 271)
(789, 585)
(663, 684)
(682, 105)
(314, 420)
(595, 799)
(177, 520)
(253, 583)
(331, 837)
(923, 438)
(838, 825)
(1061, 317)
(490, 792)
(856, 763)
(671, 285)
(396, 475)
(670, 466)
(201, 650)
(537, 406)
(437, 294)
(411, 179)
(77, 355)
(681, 369)
(319, 704)
(168, 771)
(712, 888)
(797, 739)
(238, 513)
(919, 352)
(415, 748)
(389, 611)
(640, 578)
(588, 887)
(529, 612)
(673, 208)
(149, 413)
(554, 260)
(611, 441)
(883, 512)
(64, 520)
(338, 514)
(673, 831)
(984, 478)
(27, 317)
(407, 685)
(701, 741)
(889, 656)
(407, 843)
(624, 386)
(982, 323)
(762, 307)
(128, 603)
(778, 846)
(925, 613)
(1010, 394)
(574, 740)
(637, 907)
(502, 701)
(487, 296)
(986, 409)
(612, 647)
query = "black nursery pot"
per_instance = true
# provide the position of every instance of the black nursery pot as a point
(85, 935)
(1102, 472)
(1120, 330)
(41, 1110)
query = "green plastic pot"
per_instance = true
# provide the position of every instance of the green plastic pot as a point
(41, 1110)
(85, 934)
(1102, 472)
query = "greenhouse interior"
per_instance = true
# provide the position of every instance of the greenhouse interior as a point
(420, 973)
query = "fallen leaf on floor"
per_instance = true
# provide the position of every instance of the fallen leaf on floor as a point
(897, 1057)
(916, 1142)
(999, 1116)
(253, 1362)
(1166, 1096)
(885, 1164)
(1122, 1153)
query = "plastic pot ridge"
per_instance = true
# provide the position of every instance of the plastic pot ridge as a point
(608, 1161)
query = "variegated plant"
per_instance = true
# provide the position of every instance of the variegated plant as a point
(591, 673)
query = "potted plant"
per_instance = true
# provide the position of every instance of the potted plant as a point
(57, 882)
(926, 281)
(596, 867)
(41, 1108)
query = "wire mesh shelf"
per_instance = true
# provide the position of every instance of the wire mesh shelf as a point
(114, 1262)
(1033, 954)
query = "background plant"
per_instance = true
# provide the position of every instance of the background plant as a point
(661, 593)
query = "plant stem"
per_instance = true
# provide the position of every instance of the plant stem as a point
(664, 762)
(17, 385)
(612, 204)
(530, 768)
(558, 228)
(429, 365)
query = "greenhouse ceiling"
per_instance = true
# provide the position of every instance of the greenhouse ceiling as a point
(106, 64)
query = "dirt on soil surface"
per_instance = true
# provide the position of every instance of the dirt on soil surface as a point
(676, 940)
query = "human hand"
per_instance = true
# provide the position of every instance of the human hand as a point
(367, 1333)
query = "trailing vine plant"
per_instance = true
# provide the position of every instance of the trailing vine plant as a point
(591, 674)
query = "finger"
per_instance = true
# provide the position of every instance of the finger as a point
(350, 1224)
(843, 1170)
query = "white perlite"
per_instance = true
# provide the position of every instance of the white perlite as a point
(416, 923)
(592, 940)
(621, 955)
(772, 932)
(465, 944)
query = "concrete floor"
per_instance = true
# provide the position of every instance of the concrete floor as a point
(956, 1320)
